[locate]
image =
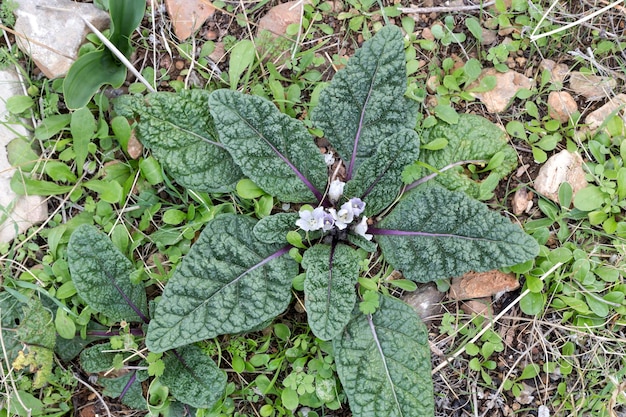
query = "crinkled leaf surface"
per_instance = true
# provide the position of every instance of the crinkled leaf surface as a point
(133, 397)
(192, 377)
(180, 132)
(229, 282)
(97, 358)
(436, 233)
(472, 138)
(378, 180)
(101, 275)
(274, 228)
(383, 361)
(272, 149)
(365, 102)
(331, 274)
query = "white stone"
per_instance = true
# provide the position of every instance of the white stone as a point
(17, 213)
(562, 167)
(507, 85)
(596, 118)
(52, 37)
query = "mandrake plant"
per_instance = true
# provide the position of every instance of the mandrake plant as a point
(238, 275)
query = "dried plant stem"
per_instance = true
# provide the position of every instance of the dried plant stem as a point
(534, 37)
(490, 324)
(446, 9)
(96, 393)
(111, 48)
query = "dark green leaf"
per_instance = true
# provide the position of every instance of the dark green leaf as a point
(331, 274)
(101, 274)
(365, 102)
(274, 228)
(230, 282)
(378, 179)
(125, 17)
(82, 128)
(113, 387)
(272, 149)
(97, 358)
(193, 377)
(472, 138)
(383, 361)
(90, 72)
(180, 132)
(435, 233)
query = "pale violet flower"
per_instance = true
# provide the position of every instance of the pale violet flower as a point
(311, 220)
(357, 205)
(335, 190)
(327, 221)
(361, 228)
(344, 216)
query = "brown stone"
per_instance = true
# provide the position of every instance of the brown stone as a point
(188, 16)
(592, 87)
(558, 72)
(279, 17)
(507, 85)
(134, 147)
(478, 307)
(561, 105)
(522, 201)
(482, 284)
(562, 167)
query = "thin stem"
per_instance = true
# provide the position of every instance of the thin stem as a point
(446, 9)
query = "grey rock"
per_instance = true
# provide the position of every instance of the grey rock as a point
(17, 213)
(426, 301)
(52, 37)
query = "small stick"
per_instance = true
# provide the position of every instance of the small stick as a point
(444, 9)
(112, 48)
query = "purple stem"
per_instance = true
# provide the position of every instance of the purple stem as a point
(394, 232)
(273, 256)
(357, 137)
(318, 195)
(133, 331)
(130, 303)
(128, 384)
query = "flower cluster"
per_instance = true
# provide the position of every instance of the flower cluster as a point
(329, 219)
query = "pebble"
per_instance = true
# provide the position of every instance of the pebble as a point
(561, 105)
(482, 284)
(187, 16)
(426, 301)
(592, 87)
(507, 85)
(558, 72)
(596, 118)
(562, 167)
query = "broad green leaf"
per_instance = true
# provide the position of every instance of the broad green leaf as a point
(472, 138)
(133, 397)
(21, 155)
(383, 361)
(90, 72)
(447, 113)
(589, 198)
(82, 128)
(378, 180)
(101, 274)
(125, 17)
(97, 358)
(19, 104)
(274, 228)
(23, 184)
(229, 282)
(51, 126)
(274, 150)
(331, 274)
(436, 233)
(192, 377)
(180, 132)
(241, 57)
(109, 191)
(365, 102)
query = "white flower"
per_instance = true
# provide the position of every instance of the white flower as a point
(357, 205)
(361, 228)
(329, 158)
(311, 220)
(335, 190)
(344, 216)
